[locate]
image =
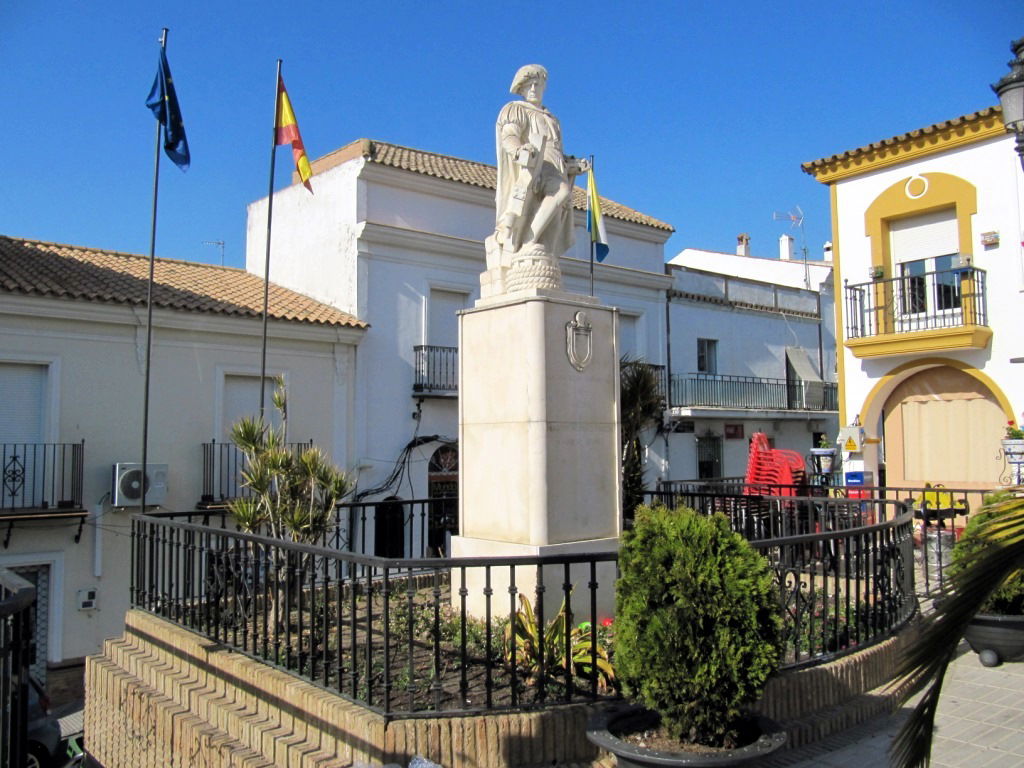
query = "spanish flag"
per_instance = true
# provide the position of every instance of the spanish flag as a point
(288, 133)
(595, 221)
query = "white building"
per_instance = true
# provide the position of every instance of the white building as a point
(72, 355)
(752, 350)
(927, 227)
(395, 236)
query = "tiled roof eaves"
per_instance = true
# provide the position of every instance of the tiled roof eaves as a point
(33, 267)
(464, 171)
(894, 143)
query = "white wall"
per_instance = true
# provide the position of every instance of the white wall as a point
(97, 354)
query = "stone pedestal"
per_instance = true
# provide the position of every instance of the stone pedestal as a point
(539, 441)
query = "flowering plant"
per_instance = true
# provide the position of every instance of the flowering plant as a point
(1013, 432)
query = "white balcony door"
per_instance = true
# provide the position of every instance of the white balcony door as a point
(22, 425)
(927, 293)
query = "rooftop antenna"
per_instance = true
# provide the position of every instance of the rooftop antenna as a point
(796, 219)
(219, 244)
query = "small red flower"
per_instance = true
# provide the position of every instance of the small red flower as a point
(606, 622)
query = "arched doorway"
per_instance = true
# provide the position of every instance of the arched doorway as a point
(443, 490)
(942, 425)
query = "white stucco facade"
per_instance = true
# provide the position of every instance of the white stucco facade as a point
(956, 198)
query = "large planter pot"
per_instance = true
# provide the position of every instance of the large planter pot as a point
(996, 638)
(602, 728)
(1014, 451)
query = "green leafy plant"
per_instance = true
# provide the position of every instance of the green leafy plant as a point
(697, 623)
(1008, 597)
(537, 656)
(1013, 432)
(824, 442)
(640, 405)
(294, 495)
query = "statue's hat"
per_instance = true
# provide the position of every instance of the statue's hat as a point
(525, 74)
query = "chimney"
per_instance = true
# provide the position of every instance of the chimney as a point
(786, 247)
(743, 244)
(826, 252)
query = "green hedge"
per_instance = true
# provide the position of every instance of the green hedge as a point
(697, 622)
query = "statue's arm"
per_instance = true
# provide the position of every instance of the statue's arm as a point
(513, 144)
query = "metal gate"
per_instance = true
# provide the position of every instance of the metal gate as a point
(39, 577)
(709, 457)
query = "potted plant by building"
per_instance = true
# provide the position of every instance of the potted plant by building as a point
(697, 636)
(989, 569)
(1013, 443)
(824, 454)
(996, 632)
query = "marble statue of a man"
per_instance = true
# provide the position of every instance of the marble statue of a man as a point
(533, 218)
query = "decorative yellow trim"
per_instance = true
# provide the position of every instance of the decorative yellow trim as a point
(933, 192)
(915, 342)
(884, 386)
(908, 147)
(837, 296)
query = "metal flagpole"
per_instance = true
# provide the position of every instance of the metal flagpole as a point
(590, 224)
(266, 261)
(149, 301)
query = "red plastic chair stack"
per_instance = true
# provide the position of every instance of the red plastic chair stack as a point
(774, 471)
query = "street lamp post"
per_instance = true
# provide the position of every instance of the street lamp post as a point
(1010, 90)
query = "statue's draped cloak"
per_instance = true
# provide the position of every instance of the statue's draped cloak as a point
(516, 122)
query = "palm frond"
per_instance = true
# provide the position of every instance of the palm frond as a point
(926, 661)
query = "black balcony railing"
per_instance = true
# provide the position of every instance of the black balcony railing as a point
(17, 598)
(223, 465)
(706, 390)
(436, 369)
(41, 476)
(928, 301)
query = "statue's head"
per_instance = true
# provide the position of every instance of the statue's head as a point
(526, 75)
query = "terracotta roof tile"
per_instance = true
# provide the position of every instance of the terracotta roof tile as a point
(35, 268)
(465, 171)
(981, 114)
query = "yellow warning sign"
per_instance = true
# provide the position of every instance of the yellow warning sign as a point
(850, 444)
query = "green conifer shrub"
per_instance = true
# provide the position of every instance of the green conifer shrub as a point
(697, 622)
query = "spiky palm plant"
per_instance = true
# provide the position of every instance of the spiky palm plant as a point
(978, 574)
(640, 405)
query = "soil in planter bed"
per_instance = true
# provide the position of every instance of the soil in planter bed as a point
(644, 729)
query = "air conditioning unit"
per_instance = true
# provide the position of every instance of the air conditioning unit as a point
(126, 487)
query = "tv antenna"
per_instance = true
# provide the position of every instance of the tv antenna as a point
(795, 218)
(219, 244)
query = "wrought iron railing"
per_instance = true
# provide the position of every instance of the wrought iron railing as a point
(17, 598)
(940, 514)
(436, 369)
(223, 465)
(41, 475)
(390, 528)
(707, 390)
(844, 567)
(401, 636)
(411, 636)
(928, 301)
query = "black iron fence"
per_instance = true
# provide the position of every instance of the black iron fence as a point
(436, 369)
(17, 598)
(844, 567)
(223, 465)
(695, 390)
(402, 636)
(940, 514)
(916, 302)
(394, 528)
(407, 636)
(41, 475)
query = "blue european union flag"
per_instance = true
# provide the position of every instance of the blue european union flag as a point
(163, 101)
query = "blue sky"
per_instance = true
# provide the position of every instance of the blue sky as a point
(698, 113)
